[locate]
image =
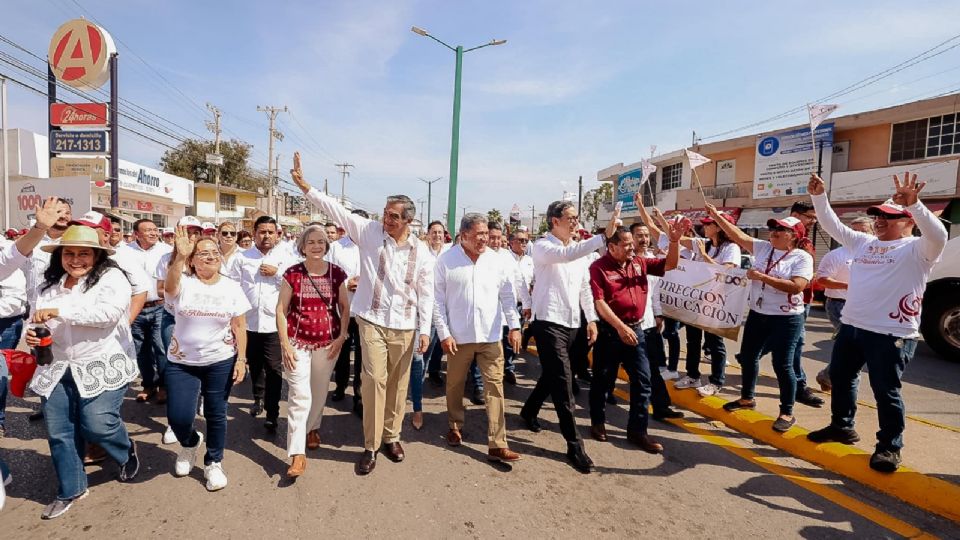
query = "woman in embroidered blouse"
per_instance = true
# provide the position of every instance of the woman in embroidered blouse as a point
(210, 328)
(84, 300)
(313, 303)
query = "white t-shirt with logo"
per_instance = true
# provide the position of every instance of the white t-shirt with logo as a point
(202, 335)
(780, 264)
(727, 253)
(836, 265)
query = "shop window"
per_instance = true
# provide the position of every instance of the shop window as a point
(228, 201)
(670, 176)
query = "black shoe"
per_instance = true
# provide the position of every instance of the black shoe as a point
(782, 425)
(579, 458)
(129, 470)
(367, 462)
(477, 397)
(531, 422)
(257, 408)
(358, 408)
(338, 395)
(270, 424)
(885, 461)
(834, 434)
(585, 377)
(809, 398)
(509, 377)
(576, 388)
(36, 417)
(666, 413)
(611, 399)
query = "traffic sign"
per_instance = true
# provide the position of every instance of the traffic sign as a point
(78, 142)
(215, 159)
(78, 114)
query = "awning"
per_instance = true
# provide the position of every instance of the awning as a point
(696, 214)
(756, 218)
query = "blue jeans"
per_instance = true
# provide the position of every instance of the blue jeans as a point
(608, 353)
(798, 352)
(148, 338)
(671, 333)
(886, 358)
(10, 329)
(73, 421)
(473, 376)
(434, 355)
(656, 357)
(778, 334)
(167, 322)
(185, 383)
(508, 353)
(416, 381)
(718, 354)
(833, 307)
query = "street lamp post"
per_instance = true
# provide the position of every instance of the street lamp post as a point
(455, 138)
(429, 184)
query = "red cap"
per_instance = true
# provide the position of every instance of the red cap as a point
(95, 220)
(707, 219)
(889, 207)
(789, 223)
(24, 231)
(11, 233)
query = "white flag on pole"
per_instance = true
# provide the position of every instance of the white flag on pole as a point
(694, 159)
(646, 169)
(818, 113)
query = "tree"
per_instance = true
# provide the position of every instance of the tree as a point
(592, 201)
(544, 225)
(189, 160)
(494, 215)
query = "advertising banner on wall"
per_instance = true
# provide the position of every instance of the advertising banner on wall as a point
(785, 159)
(29, 193)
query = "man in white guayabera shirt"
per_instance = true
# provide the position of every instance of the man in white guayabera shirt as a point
(881, 318)
(393, 301)
(474, 298)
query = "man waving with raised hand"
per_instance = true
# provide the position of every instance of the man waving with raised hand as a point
(881, 318)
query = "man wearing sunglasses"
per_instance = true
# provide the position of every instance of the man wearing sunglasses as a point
(881, 318)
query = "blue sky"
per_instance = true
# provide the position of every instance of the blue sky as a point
(578, 87)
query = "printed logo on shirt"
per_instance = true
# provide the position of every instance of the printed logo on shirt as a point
(907, 308)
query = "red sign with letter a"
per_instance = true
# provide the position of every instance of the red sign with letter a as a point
(78, 114)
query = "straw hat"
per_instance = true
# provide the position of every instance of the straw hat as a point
(78, 236)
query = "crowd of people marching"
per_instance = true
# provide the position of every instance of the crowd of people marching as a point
(193, 310)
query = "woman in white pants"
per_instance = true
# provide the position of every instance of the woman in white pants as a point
(313, 303)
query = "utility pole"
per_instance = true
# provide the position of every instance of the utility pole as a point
(276, 182)
(215, 128)
(272, 113)
(326, 182)
(421, 201)
(429, 184)
(3, 153)
(579, 194)
(344, 173)
(533, 220)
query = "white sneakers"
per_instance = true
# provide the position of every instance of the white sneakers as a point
(687, 382)
(216, 479)
(187, 457)
(169, 437)
(708, 389)
(668, 375)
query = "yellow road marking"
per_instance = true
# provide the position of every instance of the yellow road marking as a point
(819, 487)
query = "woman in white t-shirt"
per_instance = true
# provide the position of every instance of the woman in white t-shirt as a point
(780, 273)
(717, 249)
(210, 328)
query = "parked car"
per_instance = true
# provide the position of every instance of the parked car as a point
(940, 318)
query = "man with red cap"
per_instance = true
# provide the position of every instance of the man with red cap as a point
(880, 320)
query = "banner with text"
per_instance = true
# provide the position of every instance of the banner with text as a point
(785, 159)
(628, 184)
(709, 296)
(26, 194)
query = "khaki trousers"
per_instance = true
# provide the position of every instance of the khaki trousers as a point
(489, 357)
(387, 355)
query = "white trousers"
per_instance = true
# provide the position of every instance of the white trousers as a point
(308, 384)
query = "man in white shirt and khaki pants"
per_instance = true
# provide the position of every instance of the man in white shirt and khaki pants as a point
(474, 298)
(393, 301)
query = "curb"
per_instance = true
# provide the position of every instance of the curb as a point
(908, 485)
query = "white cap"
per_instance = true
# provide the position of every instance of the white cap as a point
(189, 221)
(207, 226)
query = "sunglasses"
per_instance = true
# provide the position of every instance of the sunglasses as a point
(228, 233)
(886, 216)
(522, 240)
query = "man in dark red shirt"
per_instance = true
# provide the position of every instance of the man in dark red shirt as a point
(618, 281)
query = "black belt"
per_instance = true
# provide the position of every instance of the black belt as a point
(154, 303)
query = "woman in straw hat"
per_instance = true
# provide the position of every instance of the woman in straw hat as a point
(84, 299)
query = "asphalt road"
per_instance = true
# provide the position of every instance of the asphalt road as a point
(711, 482)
